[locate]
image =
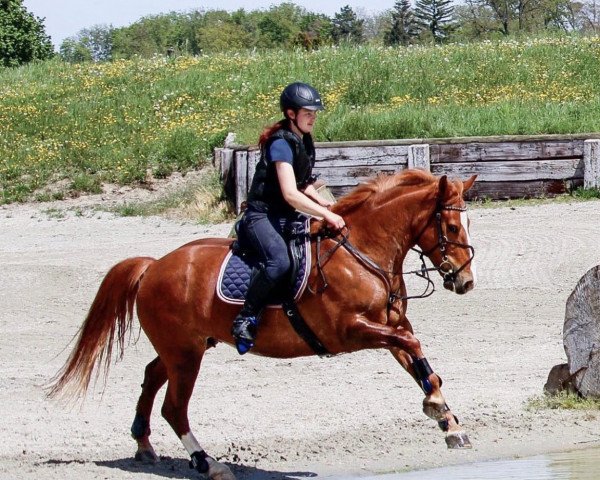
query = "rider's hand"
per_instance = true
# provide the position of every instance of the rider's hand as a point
(335, 221)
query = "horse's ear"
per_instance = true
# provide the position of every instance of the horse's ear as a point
(467, 184)
(442, 187)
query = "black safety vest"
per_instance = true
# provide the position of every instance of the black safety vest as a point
(265, 192)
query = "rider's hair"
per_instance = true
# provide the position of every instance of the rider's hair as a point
(270, 130)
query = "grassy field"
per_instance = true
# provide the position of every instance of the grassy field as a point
(73, 127)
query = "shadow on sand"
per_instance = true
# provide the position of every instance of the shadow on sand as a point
(179, 468)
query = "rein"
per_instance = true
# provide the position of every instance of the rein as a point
(449, 275)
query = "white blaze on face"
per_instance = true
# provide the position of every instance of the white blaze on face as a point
(464, 220)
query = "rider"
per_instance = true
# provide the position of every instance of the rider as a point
(282, 183)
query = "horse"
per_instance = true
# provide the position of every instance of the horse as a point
(356, 299)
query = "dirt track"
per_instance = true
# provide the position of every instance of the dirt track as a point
(280, 419)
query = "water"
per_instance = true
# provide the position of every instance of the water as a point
(574, 465)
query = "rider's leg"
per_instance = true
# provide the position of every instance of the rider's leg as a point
(266, 236)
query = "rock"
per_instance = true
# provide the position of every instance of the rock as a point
(581, 334)
(559, 380)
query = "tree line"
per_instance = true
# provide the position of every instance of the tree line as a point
(22, 36)
(290, 26)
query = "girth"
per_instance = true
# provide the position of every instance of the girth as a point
(295, 233)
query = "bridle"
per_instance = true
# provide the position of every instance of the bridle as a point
(448, 274)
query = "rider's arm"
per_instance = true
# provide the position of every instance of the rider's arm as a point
(312, 193)
(300, 201)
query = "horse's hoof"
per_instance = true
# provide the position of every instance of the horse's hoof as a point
(218, 471)
(146, 456)
(458, 440)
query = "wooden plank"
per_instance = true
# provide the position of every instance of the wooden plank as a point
(351, 176)
(528, 189)
(345, 163)
(339, 192)
(333, 157)
(241, 178)
(223, 161)
(454, 140)
(513, 171)
(508, 167)
(485, 152)
(503, 190)
(253, 158)
(227, 171)
(591, 160)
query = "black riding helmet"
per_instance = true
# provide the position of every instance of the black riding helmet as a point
(300, 95)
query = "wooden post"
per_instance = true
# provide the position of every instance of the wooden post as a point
(418, 157)
(223, 162)
(591, 164)
(253, 158)
(241, 178)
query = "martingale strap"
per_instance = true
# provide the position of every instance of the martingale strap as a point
(342, 240)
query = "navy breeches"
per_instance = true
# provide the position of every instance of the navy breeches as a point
(265, 233)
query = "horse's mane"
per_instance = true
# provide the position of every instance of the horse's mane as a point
(369, 190)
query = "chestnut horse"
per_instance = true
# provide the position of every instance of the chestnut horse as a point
(363, 306)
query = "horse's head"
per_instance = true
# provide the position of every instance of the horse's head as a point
(445, 237)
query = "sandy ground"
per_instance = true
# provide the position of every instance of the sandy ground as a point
(353, 414)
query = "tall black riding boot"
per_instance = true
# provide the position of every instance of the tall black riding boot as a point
(245, 324)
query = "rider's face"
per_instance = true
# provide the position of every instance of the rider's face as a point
(305, 119)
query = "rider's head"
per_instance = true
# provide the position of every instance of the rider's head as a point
(299, 103)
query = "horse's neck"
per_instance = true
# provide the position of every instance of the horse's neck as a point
(386, 232)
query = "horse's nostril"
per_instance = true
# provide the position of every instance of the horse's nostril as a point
(469, 285)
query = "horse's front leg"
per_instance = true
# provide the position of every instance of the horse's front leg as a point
(406, 348)
(434, 403)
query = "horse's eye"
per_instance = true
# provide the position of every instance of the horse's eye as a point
(453, 228)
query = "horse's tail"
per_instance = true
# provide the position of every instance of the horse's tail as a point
(110, 316)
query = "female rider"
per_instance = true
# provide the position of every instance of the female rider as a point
(283, 182)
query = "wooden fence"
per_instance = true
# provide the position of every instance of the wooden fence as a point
(507, 166)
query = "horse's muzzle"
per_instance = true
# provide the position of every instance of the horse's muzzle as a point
(461, 283)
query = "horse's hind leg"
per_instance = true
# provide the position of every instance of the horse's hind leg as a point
(155, 377)
(182, 372)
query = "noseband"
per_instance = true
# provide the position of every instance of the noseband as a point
(448, 274)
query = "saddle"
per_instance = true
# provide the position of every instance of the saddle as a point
(242, 262)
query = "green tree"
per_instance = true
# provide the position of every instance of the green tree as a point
(435, 17)
(22, 35)
(73, 51)
(159, 34)
(315, 30)
(475, 21)
(280, 25)
(94, 43)
(563, 14)
(220, 32)
(404, 27)
(347, 27)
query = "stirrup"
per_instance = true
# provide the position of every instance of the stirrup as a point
(244, 333)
